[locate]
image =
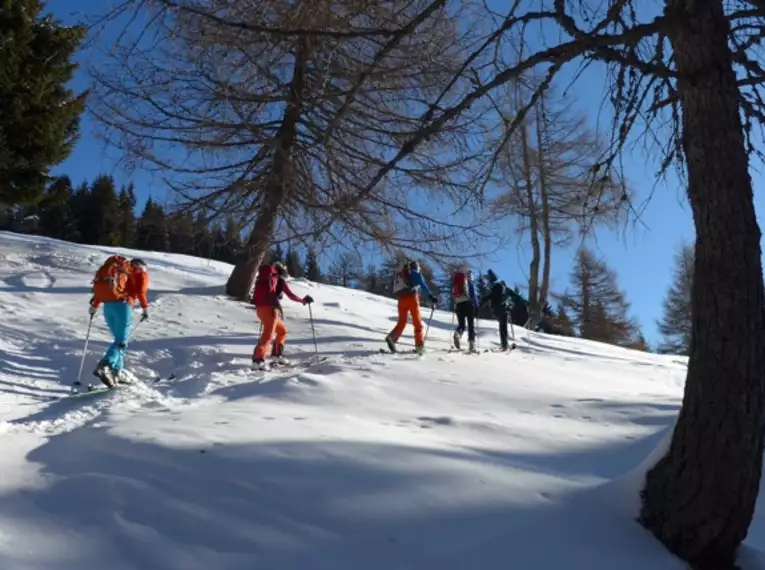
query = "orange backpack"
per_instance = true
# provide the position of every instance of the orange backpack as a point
(111, 280)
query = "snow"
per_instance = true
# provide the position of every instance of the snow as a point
(527, 460)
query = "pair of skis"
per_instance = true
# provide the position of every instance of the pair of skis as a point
(276, 366)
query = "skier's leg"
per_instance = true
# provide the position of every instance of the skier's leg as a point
(267, 316)
(419, 332)
(471, 323)
(118, 319)
(403, 314)
(125, 318)
(502, 317)
(281, 336)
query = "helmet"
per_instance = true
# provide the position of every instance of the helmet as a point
(280, 269)
(139, 264)
(412, 264)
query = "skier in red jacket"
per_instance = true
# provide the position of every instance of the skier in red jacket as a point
(270, 285)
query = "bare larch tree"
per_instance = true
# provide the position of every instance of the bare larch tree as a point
(282, 113)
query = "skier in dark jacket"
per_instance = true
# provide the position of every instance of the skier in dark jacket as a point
(465, 306)
(501, 304)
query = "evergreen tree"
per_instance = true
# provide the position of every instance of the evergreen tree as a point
(40, 116)
(312, 268)
(232, 241)
(203, 240)
(600, 310)
(102, 225)
(294, 264)
(675, 325)
(561, 322)
(126, 216)
(180, 227)
(57, 215)
(218, 240)
(152, 231)
(81, 211)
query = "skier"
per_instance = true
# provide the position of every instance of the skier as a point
(465, 306)
(270, 286)
(501, 304)
(406, 287)
(118, 285)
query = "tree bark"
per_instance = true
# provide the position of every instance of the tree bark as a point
(528, 176)
(699, 499)
(544, 198)
(276, 191)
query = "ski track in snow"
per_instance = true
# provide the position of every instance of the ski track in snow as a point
(448, 461)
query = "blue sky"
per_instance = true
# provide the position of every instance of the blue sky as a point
(641, 254)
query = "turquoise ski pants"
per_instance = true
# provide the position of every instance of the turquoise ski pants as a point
(119, 318)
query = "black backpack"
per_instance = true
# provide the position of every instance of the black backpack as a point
(498, 295)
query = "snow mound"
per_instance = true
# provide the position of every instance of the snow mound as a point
(530, 460)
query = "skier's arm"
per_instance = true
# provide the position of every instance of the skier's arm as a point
(141, 284)
(473, 294)
(418, 280)
(287, 291)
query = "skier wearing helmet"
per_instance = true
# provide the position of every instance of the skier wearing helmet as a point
(406, 288)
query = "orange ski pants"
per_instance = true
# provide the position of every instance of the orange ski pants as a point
(409, 305)
(269, 316)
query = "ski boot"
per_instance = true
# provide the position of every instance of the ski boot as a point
(471, 347)
(456, 338)
(105, 373)
(277, 355)
(391, 343)
(122, 377)
(419, 349)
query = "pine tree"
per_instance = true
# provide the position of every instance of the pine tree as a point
(232, 241)
(103, 213)
(675, 325)
(203, 240)
(561, 322)
(218, 240)
(57, 215)
(294, 264)
(180, 229)
(152, 231)
(39, 121)
(312, 268)
(126, 217)
(600, 310)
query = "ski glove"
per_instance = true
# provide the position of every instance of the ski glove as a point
(307, 300)
(145, 315)
(434, 299)
(92, 310)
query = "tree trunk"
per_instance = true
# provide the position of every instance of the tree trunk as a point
(544, 288)
(528, 177)
(277, 186)
(700, 498)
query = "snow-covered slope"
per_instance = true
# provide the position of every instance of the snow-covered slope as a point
(527, 460)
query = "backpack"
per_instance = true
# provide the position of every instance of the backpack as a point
(498, 295)
(111, 280)
(402, 282)
(265, 286)
(459, 285)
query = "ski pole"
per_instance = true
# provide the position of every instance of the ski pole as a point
(313, 331)
(85, 349)
(432, 310)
